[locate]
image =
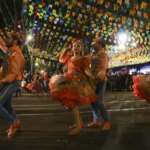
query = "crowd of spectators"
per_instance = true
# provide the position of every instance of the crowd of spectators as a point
(121, 81)
(117, 81)
(37, 83)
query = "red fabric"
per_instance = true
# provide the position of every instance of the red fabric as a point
(33, 86)
(140, 88)
(29, 87)
(70, 96)
(76, 65)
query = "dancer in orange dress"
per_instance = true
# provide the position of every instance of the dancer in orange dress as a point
(73, 87)
(141, 86)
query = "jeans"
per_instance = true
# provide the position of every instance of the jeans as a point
(98, 109)
(6, 94)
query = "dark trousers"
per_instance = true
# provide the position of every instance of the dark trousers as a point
(6, 94)
(98, 109)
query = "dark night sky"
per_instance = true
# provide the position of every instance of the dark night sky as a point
(10, 12)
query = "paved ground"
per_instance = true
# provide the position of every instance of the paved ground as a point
(45, 125)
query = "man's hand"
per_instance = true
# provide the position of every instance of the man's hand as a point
(1, 81)
(89, 74)
(101, 75)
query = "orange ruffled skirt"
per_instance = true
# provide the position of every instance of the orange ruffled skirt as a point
(71, 92)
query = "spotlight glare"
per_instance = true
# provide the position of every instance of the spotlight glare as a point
(121, 47)
(134, 44)
(29, 38)
(122, 37)
(42, 71)
(36, 64)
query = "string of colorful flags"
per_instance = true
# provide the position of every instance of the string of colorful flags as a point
(55, 22)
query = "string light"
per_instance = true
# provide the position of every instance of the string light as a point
(29, 38)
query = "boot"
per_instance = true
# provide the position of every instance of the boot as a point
(17, 124)
(106, 126)
(94, 124)
(78, 122)
(75, 131)
(14, 127)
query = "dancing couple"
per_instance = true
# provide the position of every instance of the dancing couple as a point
(77, 86)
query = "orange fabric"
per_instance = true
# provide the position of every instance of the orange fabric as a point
(71, 92)
(72, 88)
(103, 61)
(16, 64)
(99, 65)
(74, 64)
(3, 45)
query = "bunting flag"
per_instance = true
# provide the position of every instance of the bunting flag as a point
(55, 22)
